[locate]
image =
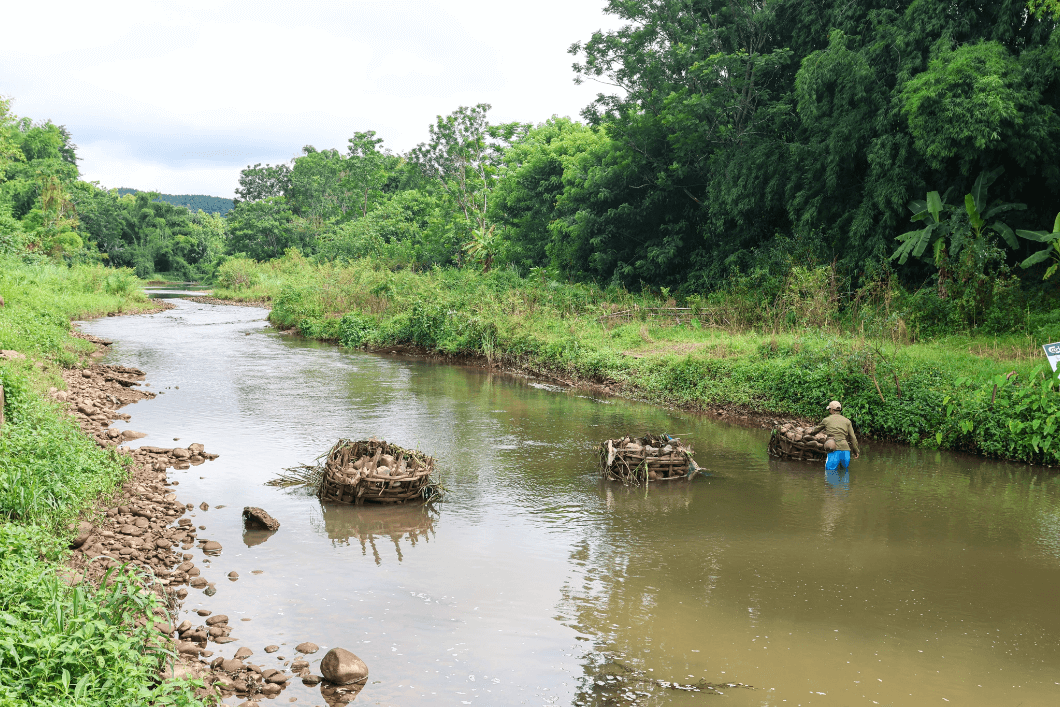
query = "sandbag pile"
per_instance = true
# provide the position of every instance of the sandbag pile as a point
(641, 460)
(790, 441)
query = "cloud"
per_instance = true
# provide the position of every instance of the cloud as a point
(182, 93)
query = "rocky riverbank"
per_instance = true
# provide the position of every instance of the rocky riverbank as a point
(144, 526)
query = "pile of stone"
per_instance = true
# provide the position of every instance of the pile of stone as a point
(342, 676)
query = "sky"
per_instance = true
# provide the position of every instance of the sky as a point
(178, 97)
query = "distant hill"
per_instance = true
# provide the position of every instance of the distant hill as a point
(193, 202)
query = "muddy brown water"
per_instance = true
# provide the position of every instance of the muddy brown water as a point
(918, 579)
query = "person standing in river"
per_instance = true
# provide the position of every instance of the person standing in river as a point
(841, 430)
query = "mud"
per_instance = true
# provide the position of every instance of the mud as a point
(141, 526)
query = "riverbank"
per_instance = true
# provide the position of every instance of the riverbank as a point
(96, 625)
(989, 397)
(66, 639)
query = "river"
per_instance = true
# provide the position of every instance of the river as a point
(920, 578)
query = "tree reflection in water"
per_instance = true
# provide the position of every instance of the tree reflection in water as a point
(375, 526)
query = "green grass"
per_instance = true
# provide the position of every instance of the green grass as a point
(937, 393)
(61, 644)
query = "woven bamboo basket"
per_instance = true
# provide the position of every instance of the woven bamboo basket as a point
(648, 459)
(359, 472)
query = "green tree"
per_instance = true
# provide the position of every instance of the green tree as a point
(262, 182)
(1051, 250)
(461, 159)
(262, 229)
(974, 102)
(540, 192)
(366, 171)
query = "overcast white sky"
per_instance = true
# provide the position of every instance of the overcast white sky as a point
(178, 97)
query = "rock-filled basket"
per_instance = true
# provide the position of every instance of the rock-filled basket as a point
(792, 442)
(648, 459)
(374, 471)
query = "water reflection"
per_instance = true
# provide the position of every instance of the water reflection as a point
(839, 480)
(257, 536)
(377, 528)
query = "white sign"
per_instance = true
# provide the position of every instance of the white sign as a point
(1052, 352)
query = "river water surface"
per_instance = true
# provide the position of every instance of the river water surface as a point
(920, 578)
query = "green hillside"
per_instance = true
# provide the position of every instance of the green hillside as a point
(194, 202)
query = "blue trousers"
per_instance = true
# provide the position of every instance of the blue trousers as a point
(836, 459)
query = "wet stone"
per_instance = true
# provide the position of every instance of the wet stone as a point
(271, 649)
(342, 667)
(307, 647)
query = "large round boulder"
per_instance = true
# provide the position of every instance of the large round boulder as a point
(341, 667)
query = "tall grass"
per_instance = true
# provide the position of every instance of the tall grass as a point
(62, 644)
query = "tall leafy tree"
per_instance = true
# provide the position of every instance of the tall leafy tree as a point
(262, 182)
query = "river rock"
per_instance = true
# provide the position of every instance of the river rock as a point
(211, 546)
(342, 667)
(189, 648)
(256, 518)
(307, 647)
(197, 582)
(195, 448)
(271, 649)
(129, 435)
(84, 531)
(271, 689)
(244, 652)
(218, 619)
(231, 665)
(180, 454)
(204, 506)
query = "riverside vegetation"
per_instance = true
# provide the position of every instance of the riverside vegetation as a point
(63, 642)
(788, 354)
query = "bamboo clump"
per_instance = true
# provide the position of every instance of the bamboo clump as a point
(792, 442)
(648, 459)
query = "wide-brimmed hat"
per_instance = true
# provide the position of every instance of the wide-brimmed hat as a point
(835, 405)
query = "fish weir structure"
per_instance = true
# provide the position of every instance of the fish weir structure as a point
(374, 471)
(643, 460)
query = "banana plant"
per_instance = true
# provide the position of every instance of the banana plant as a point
(937, 229)
(1052, 249)
(915, 243)
(483, 246)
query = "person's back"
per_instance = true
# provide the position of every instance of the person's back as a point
(839, 428)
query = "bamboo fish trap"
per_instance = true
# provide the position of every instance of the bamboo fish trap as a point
(374, 471)
(791, 442)
(648, 459)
